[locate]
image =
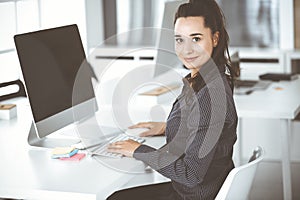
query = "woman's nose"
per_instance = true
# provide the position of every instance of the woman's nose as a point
(188, 48)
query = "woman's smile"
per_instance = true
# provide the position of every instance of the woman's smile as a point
(190, 59)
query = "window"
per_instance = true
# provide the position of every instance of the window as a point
(132, 22)
(252, 23)
(20, 16)
(63, 12)
(259, 23)
(7, 12)
(9, 65)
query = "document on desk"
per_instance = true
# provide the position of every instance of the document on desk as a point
(161, 90)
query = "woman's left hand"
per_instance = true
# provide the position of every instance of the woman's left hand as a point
(125, 148)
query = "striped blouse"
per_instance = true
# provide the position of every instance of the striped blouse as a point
(200, 134)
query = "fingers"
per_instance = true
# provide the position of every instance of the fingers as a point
(147, 133)
(122, 144)
(113, 150)
(125, 148)
(116, 145)
(141, 125)
(156, 128)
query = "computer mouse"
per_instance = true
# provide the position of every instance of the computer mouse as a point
(136, 131)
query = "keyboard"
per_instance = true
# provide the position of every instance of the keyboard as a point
(252, 84)
(102, 150)
(248, 86)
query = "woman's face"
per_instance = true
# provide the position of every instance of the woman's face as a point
(194, 42)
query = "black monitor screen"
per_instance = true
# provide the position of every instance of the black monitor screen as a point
(50, 60)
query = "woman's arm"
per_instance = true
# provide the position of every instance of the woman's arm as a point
(188, 156)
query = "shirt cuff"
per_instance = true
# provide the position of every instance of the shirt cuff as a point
(141, 150)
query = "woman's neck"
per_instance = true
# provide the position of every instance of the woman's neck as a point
(194, 72)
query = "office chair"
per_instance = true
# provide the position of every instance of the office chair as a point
(19, 93)
(238, 182)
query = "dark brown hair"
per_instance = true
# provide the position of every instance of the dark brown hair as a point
(215, 20)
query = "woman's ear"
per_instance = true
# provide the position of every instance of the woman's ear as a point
(216, 38)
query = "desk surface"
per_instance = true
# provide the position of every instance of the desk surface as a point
(281, 100)
(29, 172)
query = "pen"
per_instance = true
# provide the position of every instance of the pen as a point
(249, 91)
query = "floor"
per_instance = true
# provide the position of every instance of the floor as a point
(267, 183)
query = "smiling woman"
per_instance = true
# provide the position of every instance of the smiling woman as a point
(201, 128)
(194, 42)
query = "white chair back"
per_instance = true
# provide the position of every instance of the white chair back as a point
(239, 181)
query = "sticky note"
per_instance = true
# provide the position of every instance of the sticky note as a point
(67, 155)
(62, 150)
(161, 90)
(76, 157)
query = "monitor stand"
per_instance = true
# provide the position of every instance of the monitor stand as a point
(46, 142)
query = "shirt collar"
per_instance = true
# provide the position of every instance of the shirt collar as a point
(208, 72)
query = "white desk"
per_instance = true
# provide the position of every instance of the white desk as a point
(280, 101)
(29, 173)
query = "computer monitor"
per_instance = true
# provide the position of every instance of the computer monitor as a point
(166, 56)
(57, 81)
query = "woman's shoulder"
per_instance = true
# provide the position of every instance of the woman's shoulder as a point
(219, 84)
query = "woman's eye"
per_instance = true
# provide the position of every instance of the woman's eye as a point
(179, 40)
(196, 39)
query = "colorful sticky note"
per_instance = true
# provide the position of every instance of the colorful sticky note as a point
(76, 157)
(67, 155)
(62, 150)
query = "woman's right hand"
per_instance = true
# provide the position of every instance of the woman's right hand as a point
(155, 128)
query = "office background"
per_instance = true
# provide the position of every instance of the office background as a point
(101, 19)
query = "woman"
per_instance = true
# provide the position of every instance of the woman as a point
(201, 127)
